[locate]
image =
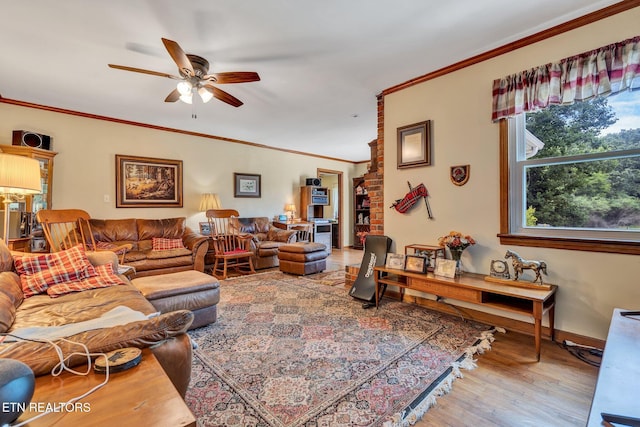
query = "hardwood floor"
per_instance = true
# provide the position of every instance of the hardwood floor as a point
(508, 387)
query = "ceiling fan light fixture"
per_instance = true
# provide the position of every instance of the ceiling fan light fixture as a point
(184, 87)
(205, 94)
(187, 98)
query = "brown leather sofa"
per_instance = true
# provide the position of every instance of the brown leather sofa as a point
(165, 334)
(140, 233)
(265, 242)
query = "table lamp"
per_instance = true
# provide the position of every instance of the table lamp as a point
(19, 176)
(291, 208)
(209, 201)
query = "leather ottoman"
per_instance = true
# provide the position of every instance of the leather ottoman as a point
(303, 258)
(183, 290)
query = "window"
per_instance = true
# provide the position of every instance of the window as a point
(574, 176)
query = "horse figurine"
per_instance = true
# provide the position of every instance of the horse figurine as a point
(520, 264)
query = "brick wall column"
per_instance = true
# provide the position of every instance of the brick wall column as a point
(374, 180)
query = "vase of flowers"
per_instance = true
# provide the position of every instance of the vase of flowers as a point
(457, 243)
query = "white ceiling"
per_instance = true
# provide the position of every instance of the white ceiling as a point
(321, 63)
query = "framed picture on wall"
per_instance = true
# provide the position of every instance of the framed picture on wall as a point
(146, 182)
(414, 145)
(246, 185)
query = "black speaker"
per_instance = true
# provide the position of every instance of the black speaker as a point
(313, 181)
(31, 139)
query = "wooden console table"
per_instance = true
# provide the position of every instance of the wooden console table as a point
(474, 289)
(619, 376)
(140, 396)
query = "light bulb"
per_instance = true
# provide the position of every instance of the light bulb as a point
(186, 98)
(184, 87)
(205, 94)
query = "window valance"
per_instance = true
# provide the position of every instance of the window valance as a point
(600, 72)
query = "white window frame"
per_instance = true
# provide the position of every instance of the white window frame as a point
(517, 192)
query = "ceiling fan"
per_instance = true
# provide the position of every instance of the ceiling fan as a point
(195, 78)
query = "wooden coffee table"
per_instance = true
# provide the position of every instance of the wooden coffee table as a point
(140, 396)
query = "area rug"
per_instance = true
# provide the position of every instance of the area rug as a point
(330, 278)
(287, 351)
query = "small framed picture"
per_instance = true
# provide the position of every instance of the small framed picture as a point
(246, 185)
(445, 267)
(395, 261)
(415, 263)
(205, 230)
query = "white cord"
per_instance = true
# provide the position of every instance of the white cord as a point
(61, 367)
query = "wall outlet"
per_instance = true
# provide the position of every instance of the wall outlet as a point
(107, 199)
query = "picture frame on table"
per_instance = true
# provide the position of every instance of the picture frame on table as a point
(205, 229)
(395, 261)
(445, 267)
(415, 263)
(147, 182)
(414, 145)
(247, 185)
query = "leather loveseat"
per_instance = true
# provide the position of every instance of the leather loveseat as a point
(164, 333)
(265, 242)
(140, 233)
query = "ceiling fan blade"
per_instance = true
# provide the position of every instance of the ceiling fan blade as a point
(173, 96)
(234, 77)
(179, 57)
(140, 70)
(224, 96)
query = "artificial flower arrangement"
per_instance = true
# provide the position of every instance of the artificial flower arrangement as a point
(455, 241)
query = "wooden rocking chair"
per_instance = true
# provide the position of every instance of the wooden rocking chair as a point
(231, 248)
(65, 228)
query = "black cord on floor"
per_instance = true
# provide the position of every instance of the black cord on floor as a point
(590, 355)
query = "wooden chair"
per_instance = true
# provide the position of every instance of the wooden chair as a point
(65, 228)
(303, 232)
(231, 248)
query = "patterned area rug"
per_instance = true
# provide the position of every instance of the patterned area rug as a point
(288, 351)
(331, 278)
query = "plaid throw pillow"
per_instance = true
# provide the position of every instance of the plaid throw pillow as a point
(38, 272)
(105, 277)
(161, 244)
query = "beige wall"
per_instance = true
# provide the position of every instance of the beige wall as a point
(84, 169)
(459, 104)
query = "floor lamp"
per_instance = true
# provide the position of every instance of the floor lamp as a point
(19, 176)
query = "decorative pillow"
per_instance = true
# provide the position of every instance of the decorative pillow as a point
(104, 278)
(162, 244)
(38, 272)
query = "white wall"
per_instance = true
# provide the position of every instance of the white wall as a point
(84, 169)
(459, 105)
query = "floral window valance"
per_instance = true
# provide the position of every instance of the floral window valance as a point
(601, 72)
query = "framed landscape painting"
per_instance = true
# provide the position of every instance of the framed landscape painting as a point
(146, 182)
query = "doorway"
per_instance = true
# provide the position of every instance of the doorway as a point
(333, 180)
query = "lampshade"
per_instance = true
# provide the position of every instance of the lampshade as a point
(205, 94)
(209, 201)
(184, 87)
(290, 207)
(19, 175)
(187, 99)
